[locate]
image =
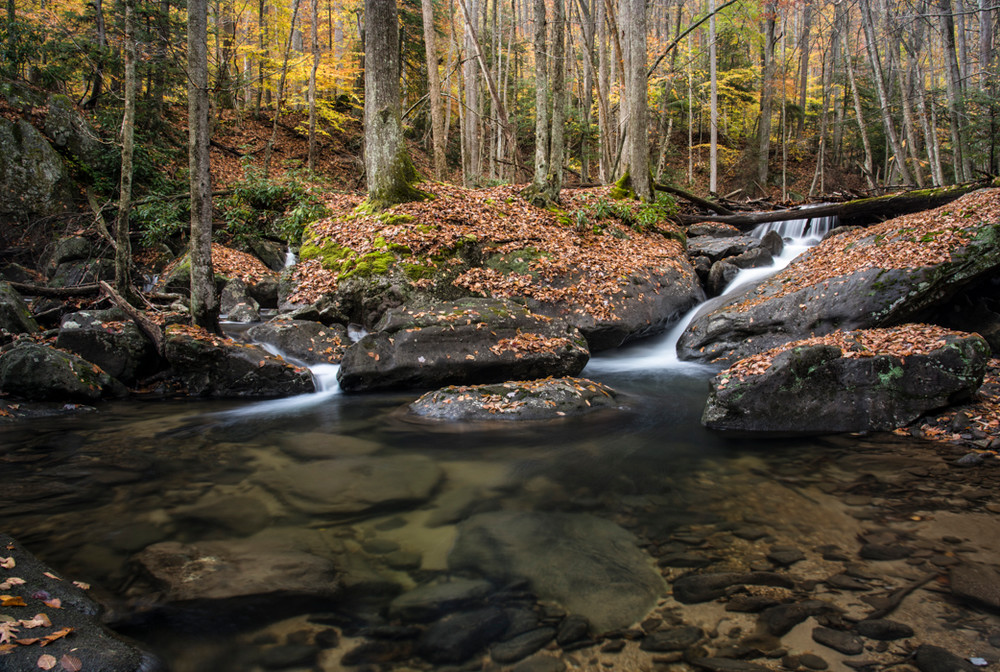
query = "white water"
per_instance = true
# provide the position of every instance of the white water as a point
(290, 258)
(324, 378)
(660, 353)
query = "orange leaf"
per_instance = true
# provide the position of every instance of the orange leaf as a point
(53, 636)
(71, 663)
(54, 603)
(46, 662)
(12, 601)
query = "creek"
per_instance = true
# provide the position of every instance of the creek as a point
(86, 492)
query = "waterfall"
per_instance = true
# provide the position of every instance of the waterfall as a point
(661, 352)
(324, 379)
(290, 258)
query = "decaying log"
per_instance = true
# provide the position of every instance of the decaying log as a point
(55, 292)
(697, 200)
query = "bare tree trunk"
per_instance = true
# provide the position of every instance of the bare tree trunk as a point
(97, 86)
(603, 93)
(890, 127)
(261, 46)
(713, 156)
(557, 136)
(204, 302)
(314, 46)
(804, 65)
(473, 167)
(123, 248)
(766, 96)
(541, 97)
(269, 148)
(434, 89)
(985, 41)
(636, 94)
(587, 27)
(860, 118)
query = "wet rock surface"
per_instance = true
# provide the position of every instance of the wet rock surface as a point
(41, 373)
(304, 340)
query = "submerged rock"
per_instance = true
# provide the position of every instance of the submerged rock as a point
(304, 340)
(543, 399)
(883, 275)
(60, 614)
(868, 380)
(468, 341)
(591, 566)
(41, 373)
(354, 485)
(209, 366)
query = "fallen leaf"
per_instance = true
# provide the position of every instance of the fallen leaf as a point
(12, 601)
(70, 663)
(82, 585)
(12, 581)
(6, 630)
(7, 563)
(46, 662)
(40, 620)
(51, 576)
(53, 636)
(54, 603)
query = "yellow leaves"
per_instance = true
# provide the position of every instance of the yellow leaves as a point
(12, 601)
(8, 583)
(7, 563)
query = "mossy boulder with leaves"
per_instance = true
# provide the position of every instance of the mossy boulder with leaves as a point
(34, 177)
(41, 373)
(15, 317)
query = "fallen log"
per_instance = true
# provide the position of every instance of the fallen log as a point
(55, 292)
(697, 200)
(860, 212)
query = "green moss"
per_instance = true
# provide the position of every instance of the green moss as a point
(885, 379)
(517, 261)
(622, 189)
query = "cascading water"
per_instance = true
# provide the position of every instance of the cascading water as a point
(290, 258)
(661, 352)
(324, 379)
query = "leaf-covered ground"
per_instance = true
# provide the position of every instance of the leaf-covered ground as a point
(911, 241)
(583, 259)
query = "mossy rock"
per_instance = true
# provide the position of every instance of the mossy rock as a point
(15, 318)
(41, 373)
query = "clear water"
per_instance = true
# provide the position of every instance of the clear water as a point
(87, 492)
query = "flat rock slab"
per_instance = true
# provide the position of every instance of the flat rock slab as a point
(304, 340)
(545, 399)
(976, 582)
(695, 588)
(429, 601)
(55, 616)
(591, 566)
(811, 386)
(354, 485)
(223, 570)
(883, 275)
(469, 341)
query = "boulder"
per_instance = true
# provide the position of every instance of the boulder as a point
(432, 600)
(354, 485)
(867, 380)
(106, 339)
(210, 366)
(51, 606)
(591, 566)
(34, 177)
(712, 230)
(468, 341)
(272, 253)
(70, 248)
(719, 277)
(41, 373)
(15, 318)
(717, 249)
(543, 399)
(457, 637)
(303, 340)
(236, 568)
(880, 276)
(70, 132)
(236, 298)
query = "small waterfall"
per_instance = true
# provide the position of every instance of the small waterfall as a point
(661, 352)
(290, 258)
(324, 379)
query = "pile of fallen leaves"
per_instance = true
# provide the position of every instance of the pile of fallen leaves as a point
(508, 397)
(571, 264)
(903, 341)
(230, 263)
(912, 241)
(529, 343)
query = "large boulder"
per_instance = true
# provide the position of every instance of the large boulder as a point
(880, 276)
(34, 177)
(210, 366)
(60, 616)
(466, 341)
(15, 318)
(866, 380)
(303, 340)
(544, 399)
(591, 566)
(41, 373)
(71, 133)
(354, 485)
(105, 338)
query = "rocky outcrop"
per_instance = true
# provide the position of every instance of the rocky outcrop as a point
(237, 304)
(874, 380)
(303, 340)
(71, 133)
(879, 276)
(56, 617)
(41, 373)
(108, 340)
(591, 566)
(468, 341)
(210, 366)
(15, 318)
(34, 177)
(544, 399)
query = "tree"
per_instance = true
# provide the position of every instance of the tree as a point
(713, 159)
(766, 96)
(314, 14)
(123, 248)
(434, 88)
(204, 302)
(637, 94)
(388, 166)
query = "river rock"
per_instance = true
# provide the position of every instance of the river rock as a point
(303, 340)
(883, 275)
(780, 619)
(695, 588)
(34, 177)
(210, 366)
(429, 601)
(824, 388)
(883, 629)
(712, 230)
(354, 485)
(976, 582)
(456, 637)
(15, 318)
(92, 645)
(236, 568)
(930, 658)
(114, 344)
(591, 566)
(41, 373)
(518, 400)
(237, 304)
(468, 341)
(672, 639)
(839, 640)
(521, 646)
(717, 249)
(719, 277)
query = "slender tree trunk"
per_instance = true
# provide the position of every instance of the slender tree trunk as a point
(473, 168)
(97, 88)
(204, 302)
(636, 94)
(603, 93)
(713, 156)
(587, 95)
(541, 97)
(269, 148)
(123, 248)
(890, 127)
(434, 86)
(804, 65)
(860, 117)
(314, 11)
(262, 48)
(557, 136)
(985, 41)
(766, 95)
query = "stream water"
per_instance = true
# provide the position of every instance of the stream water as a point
(86, 492)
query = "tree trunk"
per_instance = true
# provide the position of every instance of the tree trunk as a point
(269, 148)
(636, 95)
(956, 110)
(804, 65)
(540, 43)
(314, 11)
(123, 248)
(434, 86)
(262, 49)
(387, 163)
(204, 302)
(471, 141)
(97, 87)
(603, 93)
(713, 151)
(557, 136)
(985, 41)
(766, 95)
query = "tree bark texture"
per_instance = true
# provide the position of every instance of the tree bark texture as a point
(434, 89)
(123, 249)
